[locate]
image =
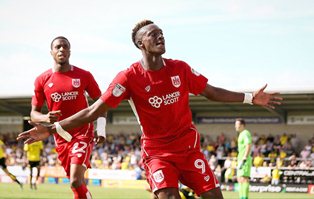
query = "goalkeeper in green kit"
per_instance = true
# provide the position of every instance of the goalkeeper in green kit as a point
(244, 158)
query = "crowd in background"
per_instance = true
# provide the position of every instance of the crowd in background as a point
(122, 151)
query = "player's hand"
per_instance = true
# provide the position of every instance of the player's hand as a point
(266, 99)
(241, 163)
(99, 139)
(39, 132)
(53, 116)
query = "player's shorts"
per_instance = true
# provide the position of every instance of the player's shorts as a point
(2, 163)
(78, 151)
(33, 163)
(245, 171)
(190, 168)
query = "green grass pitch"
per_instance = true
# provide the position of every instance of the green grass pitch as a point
(51, 191)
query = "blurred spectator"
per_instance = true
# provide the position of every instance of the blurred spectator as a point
(266, 179)
(255, 138)
(272, 156)
(306, 151)
(283, 139)
(292, 161)
(294, 140)
(275, 174)
(213, 162)
(258, 160)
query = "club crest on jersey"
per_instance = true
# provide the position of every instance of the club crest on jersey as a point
(158, 176)
(118, 90)
(76, 83)
(176, 81)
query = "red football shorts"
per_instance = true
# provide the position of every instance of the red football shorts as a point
(190, 168)
(78, 151)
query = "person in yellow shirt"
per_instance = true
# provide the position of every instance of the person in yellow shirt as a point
(275, 176)
(34, 152)
(258, 160)
(283, 139)
(272, 156)
(4, 166)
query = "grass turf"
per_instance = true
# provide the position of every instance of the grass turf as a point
(60, 191)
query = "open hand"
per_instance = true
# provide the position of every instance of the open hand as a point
(266, 99)
(39, 132)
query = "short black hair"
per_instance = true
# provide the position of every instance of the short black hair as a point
(241, 120)
(137, 27)
(60, 37)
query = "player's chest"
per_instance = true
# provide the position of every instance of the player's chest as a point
(64, 87)
(158, 84)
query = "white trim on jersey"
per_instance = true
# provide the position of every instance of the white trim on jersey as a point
(151, 178)
(135, 112)
(196, 137)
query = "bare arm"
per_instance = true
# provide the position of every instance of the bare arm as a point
(259, 97)
(42, 131)
(89, 114)
(222, 95)
(38, 116)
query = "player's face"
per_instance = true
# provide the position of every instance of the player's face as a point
(61, 51)
(238, 126)
(152, 39)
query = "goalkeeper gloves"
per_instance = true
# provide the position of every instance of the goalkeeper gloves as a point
(241, 163)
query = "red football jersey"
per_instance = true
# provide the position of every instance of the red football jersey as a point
(66, 92)
(160, 101)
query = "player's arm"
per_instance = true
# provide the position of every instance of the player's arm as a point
(258, 97)
(101, 123)
(38, 116)
(42, 131)
(222, 95)
(247, 151)
(245, 156)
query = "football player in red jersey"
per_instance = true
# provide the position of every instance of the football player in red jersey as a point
(63, 87)
(158, 91)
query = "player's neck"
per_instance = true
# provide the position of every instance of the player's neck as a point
(62, 67)
(152, 63)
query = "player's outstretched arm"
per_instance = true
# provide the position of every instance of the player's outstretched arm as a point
(258, 97)
(43, 130)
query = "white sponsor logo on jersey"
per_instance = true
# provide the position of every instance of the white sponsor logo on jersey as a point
(195, 72)
(158, 176)
(155, 101)
(118, 90)
(50, 84)
(56, 97)
(167, 99)
(76, 83)
(176, 81)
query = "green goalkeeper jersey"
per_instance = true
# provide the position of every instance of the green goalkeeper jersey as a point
(244, 139)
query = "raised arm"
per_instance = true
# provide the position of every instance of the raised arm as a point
(43, 130)
(258, 97)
